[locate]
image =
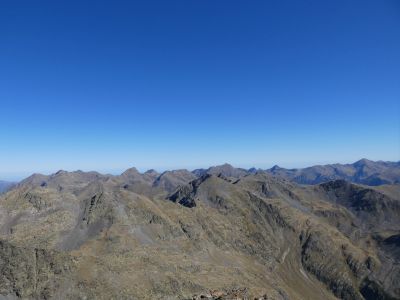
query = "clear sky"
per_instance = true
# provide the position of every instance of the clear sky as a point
(106, 85)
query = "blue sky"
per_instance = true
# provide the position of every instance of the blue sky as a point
(106, 85)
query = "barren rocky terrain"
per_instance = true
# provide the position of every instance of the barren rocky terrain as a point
(218, 233)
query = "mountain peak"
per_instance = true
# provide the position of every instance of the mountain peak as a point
(363, 162)
(252, 170)
(223, 166)
(275, 168)
(59, 172)
(35, 178)
(131, 171)
(227, 170)
(226, 165)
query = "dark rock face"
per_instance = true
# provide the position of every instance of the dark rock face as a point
(372, 290)
(374, 208)
(185, 195)
(392, 245)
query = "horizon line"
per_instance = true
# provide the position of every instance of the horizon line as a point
(19, 176)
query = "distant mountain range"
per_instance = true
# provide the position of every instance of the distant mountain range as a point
(5, 186)
(363, 171)
(216, 233)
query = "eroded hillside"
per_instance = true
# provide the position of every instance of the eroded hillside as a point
(78, 235)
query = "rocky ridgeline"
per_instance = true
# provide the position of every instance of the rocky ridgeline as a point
(77, 235)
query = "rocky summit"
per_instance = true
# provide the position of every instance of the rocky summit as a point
(325, 232)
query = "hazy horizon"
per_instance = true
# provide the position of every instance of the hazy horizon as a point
(18, 176)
